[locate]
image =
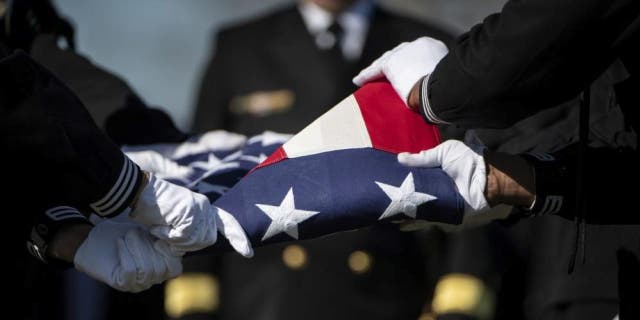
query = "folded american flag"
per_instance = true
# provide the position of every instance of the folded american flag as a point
(339, 173)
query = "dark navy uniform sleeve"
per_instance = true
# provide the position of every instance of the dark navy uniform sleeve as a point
(533, 55)
(53, 150)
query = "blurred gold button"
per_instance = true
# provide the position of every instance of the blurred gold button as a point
(294, 256)
(463, 294)
(360, 262)
(191, 293)
(427, 316)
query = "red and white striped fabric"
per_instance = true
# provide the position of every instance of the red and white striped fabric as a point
(372, 117)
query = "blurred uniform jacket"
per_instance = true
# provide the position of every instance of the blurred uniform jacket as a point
(269, 74)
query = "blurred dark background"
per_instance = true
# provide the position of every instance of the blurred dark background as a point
(160, 47)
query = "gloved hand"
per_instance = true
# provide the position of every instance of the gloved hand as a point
(161, 166)
(464, 164)
(126, 257)
(405, 64)
(185, 219)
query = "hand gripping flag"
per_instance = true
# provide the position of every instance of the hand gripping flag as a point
(341, 173)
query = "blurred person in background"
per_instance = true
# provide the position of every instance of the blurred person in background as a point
(503, 267)
(280, 72)
(492, 79)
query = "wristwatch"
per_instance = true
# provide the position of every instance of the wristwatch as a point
(45, 227)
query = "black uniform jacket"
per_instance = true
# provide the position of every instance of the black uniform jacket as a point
(269, 74)
(535, 54)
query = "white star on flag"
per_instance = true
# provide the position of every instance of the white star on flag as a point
(269, 137)
(212, 162)
(285, 218)
(404, 199)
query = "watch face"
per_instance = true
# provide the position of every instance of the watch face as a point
(42, 229)
(35, 251)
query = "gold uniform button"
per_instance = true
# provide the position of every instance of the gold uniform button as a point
(294, 257)
(191, 293)
(463, 294)
(427, 316)
(360, 262)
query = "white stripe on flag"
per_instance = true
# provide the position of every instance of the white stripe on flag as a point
(218, 140)
(340, 128)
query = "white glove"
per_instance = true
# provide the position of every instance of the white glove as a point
(464, 164)
(163, 167)
(185, 219)
(405, 64)
(126, 257)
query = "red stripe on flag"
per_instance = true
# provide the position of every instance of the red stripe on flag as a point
(276, 156)
(391, 125)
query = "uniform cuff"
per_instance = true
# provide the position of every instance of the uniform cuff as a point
(551, 178)
(121, 194)
(425, 107)
(45, 228)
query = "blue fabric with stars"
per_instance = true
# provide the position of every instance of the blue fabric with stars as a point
(225, 167)
(338, 190)
(316, 195)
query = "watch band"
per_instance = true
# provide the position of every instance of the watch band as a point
(46, 225)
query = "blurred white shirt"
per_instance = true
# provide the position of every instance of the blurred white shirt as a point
(355, 22)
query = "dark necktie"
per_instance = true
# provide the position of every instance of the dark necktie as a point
(339, 68)
(338, 33)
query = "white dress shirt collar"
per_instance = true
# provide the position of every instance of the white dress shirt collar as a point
(354, 21)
